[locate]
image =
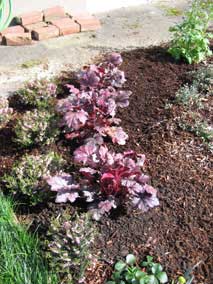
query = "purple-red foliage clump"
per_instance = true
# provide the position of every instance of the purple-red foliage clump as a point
(107, 179)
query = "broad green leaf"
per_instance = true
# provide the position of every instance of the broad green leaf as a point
(152, 280)
(120, 265)
(130, 259)
(156, 268)
(111, 282)
(162, 277)
(139, 274)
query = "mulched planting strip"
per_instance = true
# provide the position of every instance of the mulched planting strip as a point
(179, 231)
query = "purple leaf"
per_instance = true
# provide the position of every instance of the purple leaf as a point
(115, 59)
(76, 120)
(117, 134)
(122, 98)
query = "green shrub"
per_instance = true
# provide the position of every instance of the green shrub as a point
(203, 78)
(39, 93)
(190, 38)
(36, 127)
(27, 174)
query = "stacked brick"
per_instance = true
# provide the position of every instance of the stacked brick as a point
(49, 23)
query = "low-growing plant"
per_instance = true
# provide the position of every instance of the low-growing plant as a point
(130, 271)
(190, 38)
(39, 93)
(193, 122)
(108, 179)
(189, 96)
(92, 108)
(203, 79)
(5, 111)
(27, 174)
(69, 246)
(36, 127)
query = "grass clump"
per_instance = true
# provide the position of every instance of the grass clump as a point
(20, 255)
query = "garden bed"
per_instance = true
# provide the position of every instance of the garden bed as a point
(178, 232)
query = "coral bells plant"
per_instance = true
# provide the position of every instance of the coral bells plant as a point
(5, 111)
(92, 108)
(109, 179)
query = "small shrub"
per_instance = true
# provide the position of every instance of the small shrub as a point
(36, 127)
(39, 93)
(5, 111)
(147, 272)
(27, 174)
(69, 246)
(190, 38)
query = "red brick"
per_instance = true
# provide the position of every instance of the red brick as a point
(31, 27)
(66, 26)
(50, 19)
(17, 39)
(87, 22)
(49, 31)
(31, 18)
(13, 30)
(57, 11)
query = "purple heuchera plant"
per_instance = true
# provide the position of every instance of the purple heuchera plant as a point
(108, 178)
(65, 187)
(92, 108)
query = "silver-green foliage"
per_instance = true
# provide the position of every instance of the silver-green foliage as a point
(69, 246)
(27, 175)
(190, 38)
(36, 127)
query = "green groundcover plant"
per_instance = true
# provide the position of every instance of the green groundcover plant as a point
(190, 38)
(145, 272)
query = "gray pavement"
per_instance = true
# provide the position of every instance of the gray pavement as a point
(122, 29)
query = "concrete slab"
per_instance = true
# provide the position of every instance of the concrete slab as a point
(126, 28)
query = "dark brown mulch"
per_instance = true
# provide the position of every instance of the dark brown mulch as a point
(178, 232)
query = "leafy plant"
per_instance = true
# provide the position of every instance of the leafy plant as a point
(36, 127)
(69, 246)
(92, 108)
(190, 38)
(5, 111)
(39, 93)
(148, 272)
(27, 174)
(108, 179)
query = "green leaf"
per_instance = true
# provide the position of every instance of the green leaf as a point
(139, 274)
(120, 265)
(152, 280)
(162, 277)
(156, 268)
(111, 282)
(130, 259)
(142, 281)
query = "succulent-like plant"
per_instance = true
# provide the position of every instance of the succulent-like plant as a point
(5, 111)
(69, 246)
(36, 127)
(26, 176)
